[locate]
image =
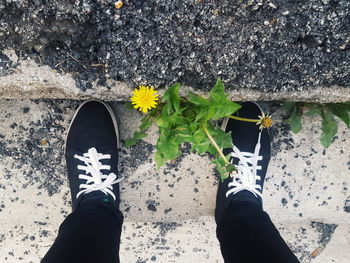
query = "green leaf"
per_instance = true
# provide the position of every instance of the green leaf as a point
(172, 98)
(194, 126)
(345, 105)
(220, 167)
(223, 168)
(200, 141)
(202, 112)
(199, 135)
(161, 122)
(160, 159)
(129, 105)
(230, 167)
(340, 111)
(329, 128)
(217, 93)
(313, 109)
(183, 133)
(295, 119)
(201, 147)
(220, 106)
(167, 144)
(145, 124)
(176, 119)
(167, 121)
(137, 136)
(211, 149)
(201, 103)
(153, 112)
(216, 107)
(288, 106)
(197, 99)
(130, 142)
(222, 139)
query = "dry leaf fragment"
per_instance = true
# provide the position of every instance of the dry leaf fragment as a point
(316, 252)
(118, 4)
(43, 142)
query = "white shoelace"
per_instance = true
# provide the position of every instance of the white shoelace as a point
(246, 176)
(96, 181)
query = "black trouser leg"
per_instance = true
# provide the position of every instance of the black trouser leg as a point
(249, 236)
(91, 234)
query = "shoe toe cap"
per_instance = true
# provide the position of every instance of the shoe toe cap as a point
(92, 123)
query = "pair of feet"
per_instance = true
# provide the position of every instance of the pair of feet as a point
(93, 163)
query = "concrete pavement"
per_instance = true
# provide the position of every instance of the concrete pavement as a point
(168, 213)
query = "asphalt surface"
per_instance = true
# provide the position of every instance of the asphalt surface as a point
(252, 44)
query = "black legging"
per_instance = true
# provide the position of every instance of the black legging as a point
(249, 236)
(91, 234)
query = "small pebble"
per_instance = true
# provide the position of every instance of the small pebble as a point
(118, 4)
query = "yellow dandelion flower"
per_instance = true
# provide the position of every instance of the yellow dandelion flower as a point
(144, 98)
(265, 121)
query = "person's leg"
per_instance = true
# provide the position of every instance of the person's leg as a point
(245, 232)
(91, 234)
(249, 236)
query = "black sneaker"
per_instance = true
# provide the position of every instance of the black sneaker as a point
(251, 155)
(92, 154)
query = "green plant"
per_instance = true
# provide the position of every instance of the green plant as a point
(328, 112)
(189, 119)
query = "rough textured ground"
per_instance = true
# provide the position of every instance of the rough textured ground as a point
(29, 79)
(169, 213)
(262, 45)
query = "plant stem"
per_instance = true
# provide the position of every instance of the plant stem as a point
(214, 143)
(243, 119)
